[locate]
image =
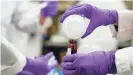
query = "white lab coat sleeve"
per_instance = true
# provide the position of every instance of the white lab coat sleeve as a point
(27, 19)
(125, 25)
(124, 61)
(12, 61)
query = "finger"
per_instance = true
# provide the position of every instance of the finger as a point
(67, 13)
(68, 72)
(75, 11)
(47, 56)
(69, 58)
(25, 73)
(68, 65)
(89, 30)
(82, 11)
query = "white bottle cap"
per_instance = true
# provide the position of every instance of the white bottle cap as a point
(74, 26)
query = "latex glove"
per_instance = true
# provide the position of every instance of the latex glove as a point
(25, 73)
(39, 65)
(51, 8)
(95, 63)
(96, 15)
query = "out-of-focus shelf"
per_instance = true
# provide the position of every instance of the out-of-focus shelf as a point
(55, 44)
(57, 40)
(65, 4)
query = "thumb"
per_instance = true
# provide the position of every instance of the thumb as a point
(47, 56)
(89, 29)
(69, 58)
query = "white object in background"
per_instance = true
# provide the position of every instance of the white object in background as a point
(74, 26)
(68, 51)
(44, 5)
(84, 48)
(52, 61)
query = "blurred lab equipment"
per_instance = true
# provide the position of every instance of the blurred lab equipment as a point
(12, 60)
(23, 31)
(49, 9)
(45, 21)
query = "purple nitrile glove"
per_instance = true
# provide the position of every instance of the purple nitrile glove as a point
(95, 63)
(25, 73)
(39, 65)
(96, 15)
(51, 8)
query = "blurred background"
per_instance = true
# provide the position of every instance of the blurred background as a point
(48, 37)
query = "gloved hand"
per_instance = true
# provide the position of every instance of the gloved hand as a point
(95, 63)
(51, 8)
(96, 15)
(25, 73)
(39, 65)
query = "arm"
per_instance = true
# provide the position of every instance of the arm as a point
(25, 18)
(12, 60)
(124, 61)
(125, 25)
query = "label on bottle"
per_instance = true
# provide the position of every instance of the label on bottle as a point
(68, 51)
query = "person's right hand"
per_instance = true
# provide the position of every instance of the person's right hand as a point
(39, 65)
(95, 63)
(96, 15)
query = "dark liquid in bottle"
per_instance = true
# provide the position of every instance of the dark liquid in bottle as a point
(73, 46)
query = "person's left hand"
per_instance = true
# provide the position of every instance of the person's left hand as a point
(97, 16)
